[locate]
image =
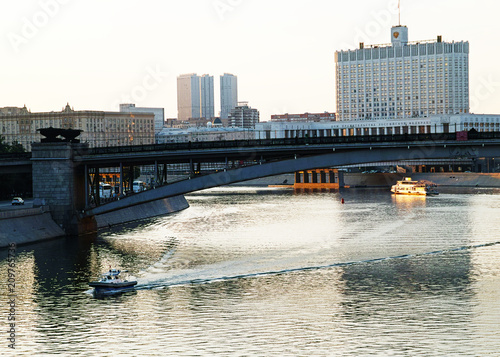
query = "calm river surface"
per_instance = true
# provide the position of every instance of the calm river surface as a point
(269, 272)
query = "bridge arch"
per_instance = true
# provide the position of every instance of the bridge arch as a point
(334, 159)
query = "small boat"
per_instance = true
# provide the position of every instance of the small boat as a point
(409, 187)
(111, 283)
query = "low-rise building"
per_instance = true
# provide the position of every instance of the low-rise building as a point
(159, 113)
(209, 133)
(305, 117)
(445, 123)
(291, 129)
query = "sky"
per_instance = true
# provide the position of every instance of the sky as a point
(96, 54)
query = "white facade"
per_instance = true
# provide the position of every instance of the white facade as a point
(159, 113)
(228, 94)
(478, 122)
(434, 124)
(277, 130)
(175, 135)
(402, 80)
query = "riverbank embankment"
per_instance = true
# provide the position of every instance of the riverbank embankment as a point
(29, 225)
(451, 179)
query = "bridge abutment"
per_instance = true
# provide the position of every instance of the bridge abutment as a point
(59, 182)
(319, 178)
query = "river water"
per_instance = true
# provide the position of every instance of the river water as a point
(271, 272)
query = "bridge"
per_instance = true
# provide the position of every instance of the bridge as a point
(66, 174)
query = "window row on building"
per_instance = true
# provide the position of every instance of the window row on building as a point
(433, 124)
(99, 129)
(414, 49)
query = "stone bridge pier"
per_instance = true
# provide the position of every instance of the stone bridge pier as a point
(59, 182)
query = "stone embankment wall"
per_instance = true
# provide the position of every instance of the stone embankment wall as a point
(28, 225)
(142, 211)
(461, 179)
(456, 179)
(24, 226)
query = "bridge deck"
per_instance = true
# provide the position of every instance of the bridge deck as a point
(318, 156)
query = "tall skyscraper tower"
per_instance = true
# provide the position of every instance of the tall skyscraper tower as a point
(403, 79)
(207, 96)
(228, 94)
(188, 97)
(195, 96)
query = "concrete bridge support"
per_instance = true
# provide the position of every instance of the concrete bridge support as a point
(319, 178)
(59, 183)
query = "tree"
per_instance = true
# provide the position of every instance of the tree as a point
(16, 147)
(13, 184)
(5, 148)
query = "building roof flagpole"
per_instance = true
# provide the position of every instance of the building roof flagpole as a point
(399, 11)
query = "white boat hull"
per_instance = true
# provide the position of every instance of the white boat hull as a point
(409, 187)
(111, 284)
(397, 192)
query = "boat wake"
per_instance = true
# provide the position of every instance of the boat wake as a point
(153, 279)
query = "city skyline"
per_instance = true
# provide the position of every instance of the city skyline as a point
(133, 51)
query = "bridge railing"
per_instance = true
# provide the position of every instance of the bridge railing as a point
(291, 141)
(15, 156)
(316, 140)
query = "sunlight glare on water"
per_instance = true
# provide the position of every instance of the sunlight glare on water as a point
(261, 271)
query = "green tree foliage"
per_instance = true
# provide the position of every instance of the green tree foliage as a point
(14, 184)
(5, 148)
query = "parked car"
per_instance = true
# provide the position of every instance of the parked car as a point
(17, 201)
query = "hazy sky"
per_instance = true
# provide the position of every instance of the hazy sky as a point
(95, 54)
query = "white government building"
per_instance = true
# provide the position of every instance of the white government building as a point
(402, 79)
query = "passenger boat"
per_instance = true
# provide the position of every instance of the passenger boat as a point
(111, 283)
(409, 187)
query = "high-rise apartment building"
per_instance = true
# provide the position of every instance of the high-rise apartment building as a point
(403, 79)
(195, 96)
(228, 94)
